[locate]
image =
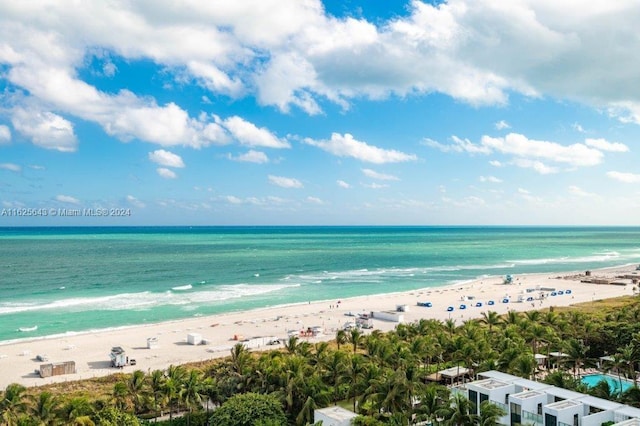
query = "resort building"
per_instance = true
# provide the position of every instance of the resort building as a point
(527, 402)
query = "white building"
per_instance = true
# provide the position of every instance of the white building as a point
(334, 416)
(533, 403)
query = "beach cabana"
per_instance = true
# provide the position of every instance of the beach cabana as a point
(541, 360)
(556, 357)
(454, 373)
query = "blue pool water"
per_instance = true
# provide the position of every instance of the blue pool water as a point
(614, 383)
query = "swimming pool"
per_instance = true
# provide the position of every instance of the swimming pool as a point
(614, 383)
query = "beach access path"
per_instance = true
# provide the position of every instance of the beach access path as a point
(90, 351)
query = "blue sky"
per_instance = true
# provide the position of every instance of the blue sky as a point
(302, 112)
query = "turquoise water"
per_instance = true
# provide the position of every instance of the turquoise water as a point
(614, 383)
(75, 279)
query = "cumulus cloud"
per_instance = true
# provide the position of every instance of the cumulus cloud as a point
(11, 167)
(45, 129)
(5, 134)
(604, 145)
(346, 146)
(291, 53)
(166, 173)
(624, 177)
(68, 199)
(314, 200)
(379, 176)
(531, 153)
(249, 134)
(166, 158)
(252, 156)
(285, 182)
(343, 184)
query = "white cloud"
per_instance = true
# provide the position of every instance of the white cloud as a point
(166, 173)
(233, 199)
(537, 166)
(379, 176)
(491, 179)
(285, 182)
(458, 145)
(314, 200)
(252, 157)
(134, 201)
(343, 184)
(45, 129)
(579, 192)
(375, 185)
(249, 134)
(530, 153)
(578, 128)
(11, 167)
(67, 199)
(346, 146)
(604, 145)
(166, 158)
(501, 125)
(521, 146)
(292, 52)
(624, 177)
(523, 191)
(5, 134)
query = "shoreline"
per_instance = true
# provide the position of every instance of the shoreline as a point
(90, 349)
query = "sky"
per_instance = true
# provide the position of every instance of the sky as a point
(309, 112)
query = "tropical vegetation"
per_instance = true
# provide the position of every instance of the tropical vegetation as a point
(383, 377)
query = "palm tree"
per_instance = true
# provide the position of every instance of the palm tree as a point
(13, 404)
(461, 412)
(44, 409)
(192, 391)
(432, 399)
(490, 414)
(136, 388)
(341, 337)
(172, 387)
(354, 373)
(334, 368)
(119, 396)
(156, 385)
(491, 319)
(576, 353)
(77, 410)
(355, 337)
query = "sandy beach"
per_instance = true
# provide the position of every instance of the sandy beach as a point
(90, 351)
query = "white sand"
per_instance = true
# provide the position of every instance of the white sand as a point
(91, 351)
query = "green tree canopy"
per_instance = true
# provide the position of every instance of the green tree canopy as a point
(249, 409)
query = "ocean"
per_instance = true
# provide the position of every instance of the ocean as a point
(69, 280)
